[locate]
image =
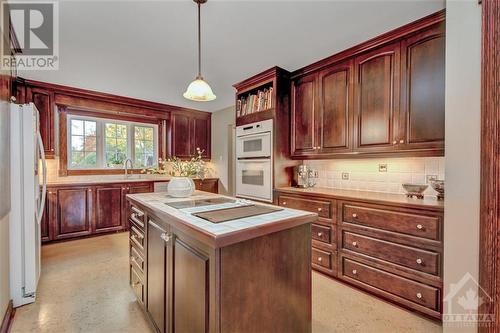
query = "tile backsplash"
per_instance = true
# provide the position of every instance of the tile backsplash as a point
(364, 174)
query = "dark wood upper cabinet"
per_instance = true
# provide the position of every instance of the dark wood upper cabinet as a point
(44, 102)
(423, 89)
(334, 116)
(304, 96)
(108, 211)
(74, 207)
(188, 133)
(377, 98)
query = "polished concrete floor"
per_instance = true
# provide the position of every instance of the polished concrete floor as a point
(84, 288)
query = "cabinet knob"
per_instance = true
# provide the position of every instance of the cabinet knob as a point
(90, 190)
(320, 234)
(52, 149)
(354, 272)
(419, 295)
(354, 215)
(401, 141)
(354, 244)
(124, 188)
(284, 203)
(166, 237)
(420, 227)
(320, 209)
(394, 142)
(320, 259)
(419, 261)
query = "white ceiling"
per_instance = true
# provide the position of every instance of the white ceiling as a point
(147, 49)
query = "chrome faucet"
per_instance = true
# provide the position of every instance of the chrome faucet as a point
(125, 166)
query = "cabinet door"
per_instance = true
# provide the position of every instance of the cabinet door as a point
(74, 207)
(303, 115)
(156, 274)
(201, 135)
(423, 90)
(190, 301)
(44, 102)
(335, 108)
(108, 212)
(181, 136)
(377, 98)
(207, 185)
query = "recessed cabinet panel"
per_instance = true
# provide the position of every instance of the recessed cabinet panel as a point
(335, 108)
(74, 207)
(181, 138)
(303, 109)
(43, 100)
(423, 93)
(377, 96)
(109, 208)
(201, 135)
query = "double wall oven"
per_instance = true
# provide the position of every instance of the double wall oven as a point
(254, 165)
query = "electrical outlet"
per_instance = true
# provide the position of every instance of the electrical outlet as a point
(382, 168)
(345, 175)
(430, 178)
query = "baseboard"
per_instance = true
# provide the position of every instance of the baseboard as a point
(7, 319)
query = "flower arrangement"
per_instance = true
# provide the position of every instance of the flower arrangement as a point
(193, 168)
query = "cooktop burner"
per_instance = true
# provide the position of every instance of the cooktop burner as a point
(199, 203)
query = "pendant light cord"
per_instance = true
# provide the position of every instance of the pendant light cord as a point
(199, 40)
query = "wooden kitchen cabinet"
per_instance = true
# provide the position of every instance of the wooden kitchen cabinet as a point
(376, 108)
(188, 132)
(109, 207)
(44, 102)
(421, 124)
(73, 212)
(304, 104)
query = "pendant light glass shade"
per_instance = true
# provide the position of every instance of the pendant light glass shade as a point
(199, 91)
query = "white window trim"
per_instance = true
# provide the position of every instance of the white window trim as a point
(100, 136)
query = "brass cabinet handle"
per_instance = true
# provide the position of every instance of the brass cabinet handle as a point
(394, 142)
(354, 272)
(139, 213)
(419, 261)
(320, 209)
(354, 215)
(420, 227)
(320, 259)
(355, 244)
(284, 203)
(401, 141)
(139, 234)
(320, 234)
(133, 218)
(90, 190)
(166, 237)
(419, 295)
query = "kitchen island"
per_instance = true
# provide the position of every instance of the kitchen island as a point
(247, 274)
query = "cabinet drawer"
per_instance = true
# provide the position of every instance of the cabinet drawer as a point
(136, 284)
(388, 283)
(137, 237)
(407, 223)
(322, 233)
(136, 258)
(322, 208)
(137, 216)
(322, 258)
(421, 260)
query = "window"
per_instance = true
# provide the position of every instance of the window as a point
(97, 143)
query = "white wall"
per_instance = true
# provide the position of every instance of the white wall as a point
(222, 122)
(463, 60)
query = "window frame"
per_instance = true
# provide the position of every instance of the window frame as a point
(101, 144)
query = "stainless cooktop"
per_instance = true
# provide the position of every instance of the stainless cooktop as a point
(199, 203)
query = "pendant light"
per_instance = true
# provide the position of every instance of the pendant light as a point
(199, 90)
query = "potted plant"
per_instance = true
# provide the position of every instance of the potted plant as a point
(181, 185)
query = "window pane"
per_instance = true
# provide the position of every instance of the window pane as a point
(90, 143)
(90, 159)
(90, 128)
(121, 131)
(121, 145)
(148, 133)
(76, 127)
(110, 130)
(148, 147)
(77, 143)
(76, 159)
(139, 133)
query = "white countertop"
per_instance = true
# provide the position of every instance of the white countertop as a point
(157, 203)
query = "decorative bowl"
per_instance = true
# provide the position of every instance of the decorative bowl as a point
(438, 186)
(180, 187)
(415, 190)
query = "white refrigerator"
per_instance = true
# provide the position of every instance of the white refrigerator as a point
(28, 190)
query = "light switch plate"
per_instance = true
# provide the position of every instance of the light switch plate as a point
(345, 175)
(430, 178)
(382, 167)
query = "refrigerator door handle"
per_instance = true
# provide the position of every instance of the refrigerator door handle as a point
(39, 212)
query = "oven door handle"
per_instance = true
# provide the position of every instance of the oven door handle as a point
(254, 159)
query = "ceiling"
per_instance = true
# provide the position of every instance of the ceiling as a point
(147, 49)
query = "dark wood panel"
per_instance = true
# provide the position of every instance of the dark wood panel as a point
(201, 135)
(377, 98)
(44, 102)
(181, 136)
(303, 115)
(190, 295)
(335, 108)
(207, 185)
(322, 208)
(423, 89)
(108, 212)
(74, 207)
(156, 275)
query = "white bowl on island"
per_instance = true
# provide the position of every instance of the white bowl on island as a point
(180, 187)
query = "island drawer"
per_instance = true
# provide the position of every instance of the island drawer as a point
(324, 261)
(322, 233)
(137, 284)
(136, 258)
(137, 237)
(322, 208)
(402, 222)
(137, 216)
(414, 258)
(389, 285)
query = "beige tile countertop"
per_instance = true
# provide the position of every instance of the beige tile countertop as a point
(107, 179)
(379, 197)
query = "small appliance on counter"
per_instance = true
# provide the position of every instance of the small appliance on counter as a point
(438, 186)
(305, 176)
